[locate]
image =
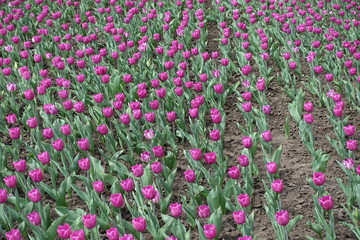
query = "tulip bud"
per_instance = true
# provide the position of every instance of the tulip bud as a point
(64, 231)
(139, 224)
(309, 107)
(271, 167)
(112, 234)
(36, 175)
(34, 218)
(210, 231)
(48, 133)
(14, 234)
(175, 209)
(282, 218)
(190, 176)
(319, 178)
(210, 158)
(234, 172)
(308, 118)
(14, 133)
(20, 166)
(277, 186)
(99, 186)
(348, 163)
(351, 145)
(149, 192)
(84, 144)
(239, 217)
(78, 235)
(89, 221)
(267, 136)
(215, 135)
(156, 167)
(58, 145)
(34, 195)
(3, 196)
(137, 170)
(244, 200)
(247, 142)
(349, 130)
(127, 185)
(117, 200)
(158, 151)
(10, 181)
(326, 202)
(243, 160)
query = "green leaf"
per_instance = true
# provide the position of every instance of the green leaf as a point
(51, 232)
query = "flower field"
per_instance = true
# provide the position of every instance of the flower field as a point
(197, 119)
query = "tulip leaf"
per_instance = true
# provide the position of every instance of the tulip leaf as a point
(52, 230)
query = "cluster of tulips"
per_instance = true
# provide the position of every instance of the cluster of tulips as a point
(113, 115)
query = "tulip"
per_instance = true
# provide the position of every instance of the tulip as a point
(234, 172)
(319, 178)
(215, 135)
(127, 237)
(44, 157)
(149, 192)
(32, 122)
(309, 107)
(48, 133)
(11, 118)
(14, 133)
(84, 164)
(99, 186)
(112, 234)
(239, 217)
(175, 209)
(349, 163)
(58, 145)
(247, 106)
(149, 134)
(117, 200)
(20, 166)
(210, 231)
(308, 118)
(326, 202)
(127, 185)
(137, 170)
(89, 221)
(244, 200)
(102, 129)
(14, 234)
(243, 160)
(351, 145)
(245, 238)
(190, 176)
(64, 231)
(158, 151)
(34, 218)
(277, 186)
(266, 109)
(10, 181)
(66, 129)
(36, 175)
(34, 195)
(78, 235)
(247, 142)
(139, 224)
(349, 130)
(84, 144)
(267, 136)
(271, 167)
(3, 196)
(204, 211)
(210, 158)
(292, 65)
(156, 167)
(282, 218)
